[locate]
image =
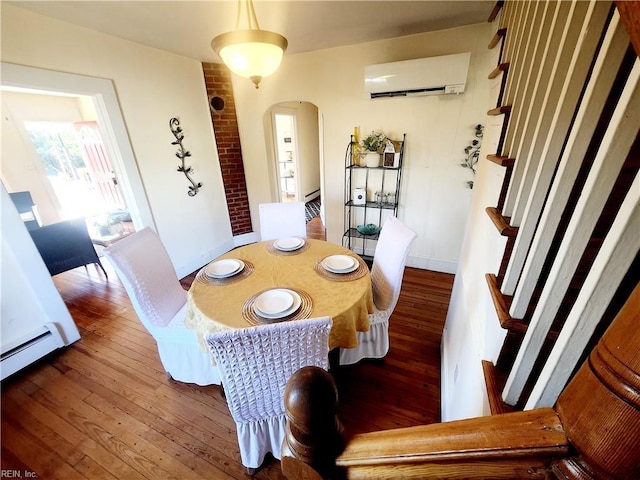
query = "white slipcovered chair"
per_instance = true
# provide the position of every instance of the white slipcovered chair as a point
(255, 364)
(386, 275)
(279, 220)
(145, 269)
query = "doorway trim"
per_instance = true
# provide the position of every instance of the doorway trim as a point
(110, 121)
(289, 112)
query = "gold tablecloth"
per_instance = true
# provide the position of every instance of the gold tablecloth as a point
(219, 307)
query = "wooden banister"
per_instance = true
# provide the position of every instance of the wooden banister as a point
(630, 16)
(593, 433)
(313, 431)
(521, 444)
(600, 407)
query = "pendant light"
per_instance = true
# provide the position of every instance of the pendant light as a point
(251, 53)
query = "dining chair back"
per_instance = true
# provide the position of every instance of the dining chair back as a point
(147, 274)
(26, 209)
(255, 364)
(389, 261)
(285, 219)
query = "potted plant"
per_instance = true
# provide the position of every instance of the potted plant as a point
(373, 145)
(112, 223)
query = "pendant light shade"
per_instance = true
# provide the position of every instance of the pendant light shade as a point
(251, 53)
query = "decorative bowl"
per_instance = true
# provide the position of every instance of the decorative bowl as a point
(368, 229)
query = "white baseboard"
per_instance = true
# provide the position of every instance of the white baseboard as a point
(433, 264)
(28, 349)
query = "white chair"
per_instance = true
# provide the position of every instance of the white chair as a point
(386, 275)
(255, 364)
(282, 220)
(145, 269)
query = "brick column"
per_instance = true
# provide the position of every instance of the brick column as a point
(225, 126)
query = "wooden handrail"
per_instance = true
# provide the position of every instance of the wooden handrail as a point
(594, 432)
(630, 16)
(521, 444)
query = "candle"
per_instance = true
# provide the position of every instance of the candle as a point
(355, 134)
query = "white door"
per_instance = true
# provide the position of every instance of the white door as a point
(286, 149)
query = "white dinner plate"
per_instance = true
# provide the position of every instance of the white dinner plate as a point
(277, 303)
(340, 263)
(288, 244)
(224, 268)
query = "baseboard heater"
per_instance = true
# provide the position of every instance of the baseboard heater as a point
(36, 344)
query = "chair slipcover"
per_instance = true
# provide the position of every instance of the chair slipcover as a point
(386, 275)
(255, 364)
(145, 269)
(282, 220)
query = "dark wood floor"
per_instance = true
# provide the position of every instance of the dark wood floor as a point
(102, 407)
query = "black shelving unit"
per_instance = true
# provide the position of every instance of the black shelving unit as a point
(371, 179)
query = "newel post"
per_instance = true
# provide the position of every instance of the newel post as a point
(313, 437)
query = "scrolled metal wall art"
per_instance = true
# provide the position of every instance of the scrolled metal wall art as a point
(176, 129)
(472, 152)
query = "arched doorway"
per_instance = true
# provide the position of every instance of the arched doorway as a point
(294, 152)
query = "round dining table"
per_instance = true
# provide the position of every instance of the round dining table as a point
(216, 304)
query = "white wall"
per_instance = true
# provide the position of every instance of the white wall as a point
(435, 197)
(29, 297)
(472, 332)
(152, 87)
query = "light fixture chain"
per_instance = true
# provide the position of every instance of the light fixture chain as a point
(238, 15)
(252, 15)
(252, 19)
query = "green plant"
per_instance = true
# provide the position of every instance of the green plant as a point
(113, 218)
(374, 142)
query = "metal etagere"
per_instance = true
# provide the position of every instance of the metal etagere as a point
(381, 186)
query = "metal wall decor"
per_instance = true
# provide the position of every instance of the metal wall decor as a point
(472, 152)
(176, 129)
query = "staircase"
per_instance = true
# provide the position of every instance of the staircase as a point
(563, 138)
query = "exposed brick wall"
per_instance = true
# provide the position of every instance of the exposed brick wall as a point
(225, 126)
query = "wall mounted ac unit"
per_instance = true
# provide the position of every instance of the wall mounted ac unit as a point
(442, 75)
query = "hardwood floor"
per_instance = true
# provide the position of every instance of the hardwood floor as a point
(102, 407)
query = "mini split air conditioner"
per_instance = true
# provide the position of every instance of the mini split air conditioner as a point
(442, 75)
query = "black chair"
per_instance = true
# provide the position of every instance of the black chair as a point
(26, 208)
(65, 245)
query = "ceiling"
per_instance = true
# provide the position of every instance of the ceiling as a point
(187, 27)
